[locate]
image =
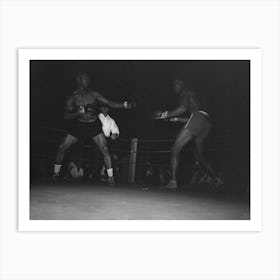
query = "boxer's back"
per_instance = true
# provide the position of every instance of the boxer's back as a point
(191, 100)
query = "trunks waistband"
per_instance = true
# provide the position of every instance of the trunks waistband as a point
(91, 121)
(203, 112)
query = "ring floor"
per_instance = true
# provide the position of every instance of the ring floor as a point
(124, 202)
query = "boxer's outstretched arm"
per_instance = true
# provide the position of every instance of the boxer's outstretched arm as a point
(110, 103)
(179, 119)
(176, 112)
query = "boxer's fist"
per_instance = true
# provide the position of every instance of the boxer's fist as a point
(164, 114)
(89, 109)
(126, 105)
(157, 114)
(173, 119)
(81, 110)
(160, 115)
(129, 106)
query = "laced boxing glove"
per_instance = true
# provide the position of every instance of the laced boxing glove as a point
(91, 109)
(160, 115)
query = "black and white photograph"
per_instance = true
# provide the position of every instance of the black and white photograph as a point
(139, 139)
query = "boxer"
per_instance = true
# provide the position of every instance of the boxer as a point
(197, 126)
(82, 109)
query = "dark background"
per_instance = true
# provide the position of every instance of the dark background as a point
(224, 85)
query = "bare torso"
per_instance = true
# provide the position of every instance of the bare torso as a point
(190, 100)
(84, 98)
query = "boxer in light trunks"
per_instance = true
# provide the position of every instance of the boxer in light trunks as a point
(197, 126)
(82, 109)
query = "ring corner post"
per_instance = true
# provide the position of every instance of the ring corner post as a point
(132, 160)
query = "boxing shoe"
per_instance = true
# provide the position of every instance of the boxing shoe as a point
(111, 181)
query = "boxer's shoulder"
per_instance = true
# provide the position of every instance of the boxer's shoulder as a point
(76, 98)
(71, 99)
(94, 93)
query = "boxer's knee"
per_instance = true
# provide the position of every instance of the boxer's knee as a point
(177, 148)
(104, 150)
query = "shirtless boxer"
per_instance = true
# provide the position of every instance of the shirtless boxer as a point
(197, 127)
(82, 109)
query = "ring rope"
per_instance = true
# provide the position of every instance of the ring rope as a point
(127, 140)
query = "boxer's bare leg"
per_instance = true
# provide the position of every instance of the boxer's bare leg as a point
(101, 143)
(182, 139)
(199, 155)
(66, 143)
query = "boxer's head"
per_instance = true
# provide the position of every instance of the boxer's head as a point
(178, 84)
(83, 80)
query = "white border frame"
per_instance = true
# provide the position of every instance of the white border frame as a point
(24, 57)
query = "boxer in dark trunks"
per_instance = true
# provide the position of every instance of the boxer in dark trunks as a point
(197, 126)
(82, 109)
